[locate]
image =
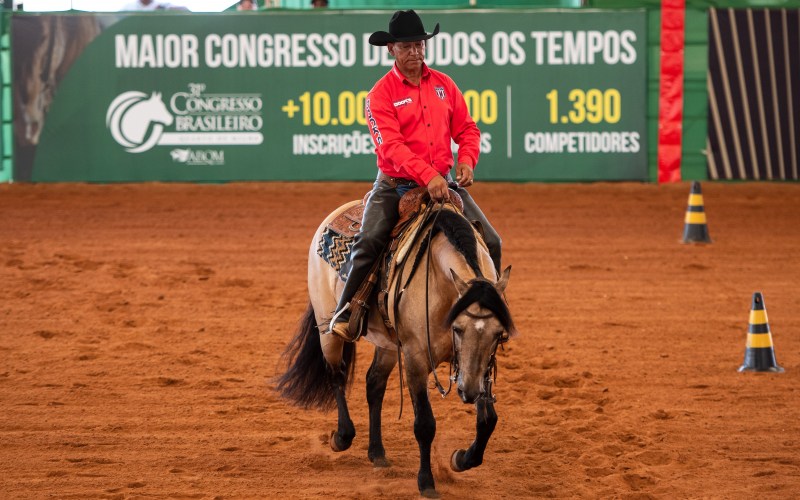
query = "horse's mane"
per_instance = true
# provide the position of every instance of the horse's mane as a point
(459, 233)
(483, 293)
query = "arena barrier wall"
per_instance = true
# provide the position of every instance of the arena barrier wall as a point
(278, 95)
(6, 146)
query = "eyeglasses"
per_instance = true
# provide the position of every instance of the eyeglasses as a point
(410, 46)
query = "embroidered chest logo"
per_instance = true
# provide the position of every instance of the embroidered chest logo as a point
(404, 102)
(439, 92)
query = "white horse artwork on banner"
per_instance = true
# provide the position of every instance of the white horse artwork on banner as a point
(130, 116)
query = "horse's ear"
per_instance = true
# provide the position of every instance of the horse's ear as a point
(461, 285)
(502, 283)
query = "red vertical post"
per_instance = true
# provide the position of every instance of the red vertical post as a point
(670, 98)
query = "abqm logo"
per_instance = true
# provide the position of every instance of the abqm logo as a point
(198, 156)
(139, 121)
(129, 118)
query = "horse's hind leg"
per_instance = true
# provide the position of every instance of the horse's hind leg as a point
(336, 353)
(342, 437)
(486, 422)
(382, 365)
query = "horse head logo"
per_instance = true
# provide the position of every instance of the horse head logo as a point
(180, 155)
(136, 121)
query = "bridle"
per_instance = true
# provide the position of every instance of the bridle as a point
(491, 370)
(490, 376)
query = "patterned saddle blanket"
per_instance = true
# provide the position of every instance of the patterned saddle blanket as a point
(336, 241)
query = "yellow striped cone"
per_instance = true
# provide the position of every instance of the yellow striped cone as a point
(695, 229)
(759, 355)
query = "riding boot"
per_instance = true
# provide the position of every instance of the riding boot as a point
(380, 216)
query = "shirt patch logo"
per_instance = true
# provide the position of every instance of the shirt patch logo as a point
(440, 92)
(402, 103)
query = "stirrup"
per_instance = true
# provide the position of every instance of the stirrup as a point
(336, 316)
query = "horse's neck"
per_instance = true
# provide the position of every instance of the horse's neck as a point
(448, 258)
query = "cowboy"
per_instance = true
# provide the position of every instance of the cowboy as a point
(412, 112)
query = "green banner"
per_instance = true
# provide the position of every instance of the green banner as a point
(558, 95)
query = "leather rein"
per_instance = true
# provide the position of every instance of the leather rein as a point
(491, 370)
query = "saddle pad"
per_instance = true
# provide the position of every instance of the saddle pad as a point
(336, 241)
(335, 248)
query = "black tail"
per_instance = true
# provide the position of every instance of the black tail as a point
(309, 381)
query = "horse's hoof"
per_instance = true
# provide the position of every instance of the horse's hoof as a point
(456, 458)
(336, 445)
(429, 493)
(381, 462)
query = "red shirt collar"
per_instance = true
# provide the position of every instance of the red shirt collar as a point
(396, 72)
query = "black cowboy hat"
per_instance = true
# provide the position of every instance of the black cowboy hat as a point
(404, 26)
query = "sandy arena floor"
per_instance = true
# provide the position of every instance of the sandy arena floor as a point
(140, 327)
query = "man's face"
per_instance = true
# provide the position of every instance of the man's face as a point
(409, 55)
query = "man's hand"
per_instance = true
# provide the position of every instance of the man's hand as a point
(464, 175)
(438, 190)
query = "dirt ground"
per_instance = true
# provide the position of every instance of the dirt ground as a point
(141, 327)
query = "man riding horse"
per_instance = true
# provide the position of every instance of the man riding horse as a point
(412, 113)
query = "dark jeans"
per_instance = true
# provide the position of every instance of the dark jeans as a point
(380, 217)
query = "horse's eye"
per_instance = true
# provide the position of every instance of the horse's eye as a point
(458, 331)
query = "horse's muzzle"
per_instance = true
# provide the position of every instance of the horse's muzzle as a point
(468, 397)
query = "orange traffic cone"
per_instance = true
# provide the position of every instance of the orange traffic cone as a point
(695, 229)
(759, 355)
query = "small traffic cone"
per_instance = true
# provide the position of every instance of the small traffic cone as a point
(759, 355)
(695, 229)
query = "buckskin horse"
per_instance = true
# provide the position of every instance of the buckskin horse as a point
(443, 302)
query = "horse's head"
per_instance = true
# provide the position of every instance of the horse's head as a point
(129, 118)
(480, 321)
(157, 110)
(43, 54)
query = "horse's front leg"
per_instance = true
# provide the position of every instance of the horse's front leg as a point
(382, 365)
(335, 351)
(462, 460)
(424, 429)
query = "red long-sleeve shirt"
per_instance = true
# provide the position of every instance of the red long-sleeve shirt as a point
(411, 125)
